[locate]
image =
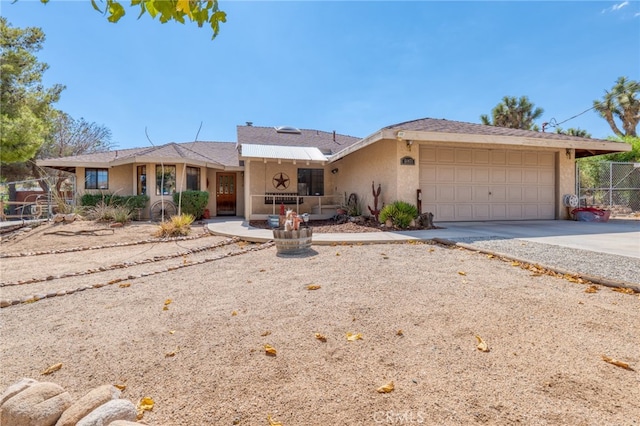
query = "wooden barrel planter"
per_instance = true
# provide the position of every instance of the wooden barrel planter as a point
(292, 242)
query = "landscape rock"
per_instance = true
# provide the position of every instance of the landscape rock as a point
(4, 303)
(87, 404)
(16, 388)
(70, 217)
(116, 409)
(40, 404)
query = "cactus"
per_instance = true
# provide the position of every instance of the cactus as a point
(375, 211)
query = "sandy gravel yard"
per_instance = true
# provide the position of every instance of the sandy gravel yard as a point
(186, 323)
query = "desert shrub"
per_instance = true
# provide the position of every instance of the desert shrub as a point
(177, 226)
(193, 202)
(107, 213)
(400, 213)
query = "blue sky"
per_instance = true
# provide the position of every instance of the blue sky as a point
(352, 67)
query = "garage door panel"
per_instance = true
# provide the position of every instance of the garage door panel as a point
(514, 194)
(498, 194)
(514, 211)
(480, 175)
(498, 175)
(498, 211)
(480, 193)
(446, 174)
(446, 193)
(464, 212)
(484, 184)
(445, 155)
(546, 177)
(482, 211)
(464, 175)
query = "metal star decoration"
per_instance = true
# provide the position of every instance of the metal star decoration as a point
(281, 180)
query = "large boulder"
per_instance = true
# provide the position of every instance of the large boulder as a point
(15, 389)
(116, 409)
(87, 404)
(40, 404)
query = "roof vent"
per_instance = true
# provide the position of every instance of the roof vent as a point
(287, 129)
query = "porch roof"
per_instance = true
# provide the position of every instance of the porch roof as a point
(275, 152)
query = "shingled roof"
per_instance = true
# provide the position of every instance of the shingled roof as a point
(213, 154)
(448, 126)
(328, 142)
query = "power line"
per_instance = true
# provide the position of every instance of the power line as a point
(554, 123)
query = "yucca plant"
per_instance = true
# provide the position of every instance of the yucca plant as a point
(176, 226)
(400, 213)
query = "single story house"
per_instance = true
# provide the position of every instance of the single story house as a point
(458, 171)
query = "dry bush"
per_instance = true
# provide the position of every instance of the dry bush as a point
(177, 226)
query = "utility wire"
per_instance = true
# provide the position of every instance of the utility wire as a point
(554, 123)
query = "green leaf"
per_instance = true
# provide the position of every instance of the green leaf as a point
(116, 11)
(93, 3)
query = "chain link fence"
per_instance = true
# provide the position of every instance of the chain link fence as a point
(609, 185)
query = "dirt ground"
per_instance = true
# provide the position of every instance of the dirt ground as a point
(417, 307)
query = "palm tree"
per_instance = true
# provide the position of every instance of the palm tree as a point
(573, 132)
(622, 103)
(515, 113)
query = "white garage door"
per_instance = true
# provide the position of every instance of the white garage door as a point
(460, 184)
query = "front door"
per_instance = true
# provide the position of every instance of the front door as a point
(226, 194)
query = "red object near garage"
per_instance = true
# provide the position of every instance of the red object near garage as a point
(206, 214)
(590, 214)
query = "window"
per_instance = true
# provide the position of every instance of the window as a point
(96, 178)
(165, 182)
(193, 179)
(310, 181)
(142, 180)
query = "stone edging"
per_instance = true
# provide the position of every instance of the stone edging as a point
(4, 303)
(121, 265)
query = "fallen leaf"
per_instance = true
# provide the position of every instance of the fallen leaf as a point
(352, 337)
(490, 256)
(145, 404)
(337, 254)
(270, 350)
(462, 273)
(234, 313)
(167, 302)
(431, 250)
(124, 285)
(263, 270)
(165, 308)
(54, 367)
(321, 337)
(591, 289)
(313, 287)
(617, 363)
(623, 290)
(120, 387)
(514, 263)
(482, 345)
(172, 331)
(386, 258)
(265, 333)
(273, 422)
(386, 388)
(400, 333)
(169, 354)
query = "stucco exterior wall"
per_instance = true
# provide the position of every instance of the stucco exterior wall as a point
(379, 163)
(565, 179)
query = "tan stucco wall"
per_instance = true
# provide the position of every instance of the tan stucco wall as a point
(565, 179)
(379, 163)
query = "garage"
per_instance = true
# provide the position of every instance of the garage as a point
(471, 184)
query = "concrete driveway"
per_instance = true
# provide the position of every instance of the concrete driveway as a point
(619, 237)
